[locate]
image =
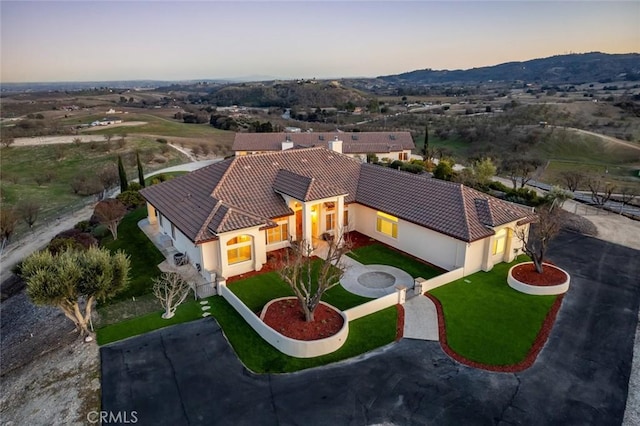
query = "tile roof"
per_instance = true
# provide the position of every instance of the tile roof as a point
(352, 143)
(246, 191)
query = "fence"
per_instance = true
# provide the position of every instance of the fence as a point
(422, 285)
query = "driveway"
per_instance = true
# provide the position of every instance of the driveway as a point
(188, 374)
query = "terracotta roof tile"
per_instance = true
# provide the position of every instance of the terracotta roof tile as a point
(245, 191)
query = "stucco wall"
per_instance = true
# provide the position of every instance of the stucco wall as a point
(474, 255)
(259, 252)
(373, 306)
(431, 246)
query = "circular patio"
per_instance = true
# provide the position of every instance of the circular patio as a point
(374, 280)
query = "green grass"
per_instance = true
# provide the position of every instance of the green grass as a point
(570, 146)
(454, 146)
(188, 311)
(621, 176)
(170, 175)
(379, 254)
(489, 322)
(143, 254)
(258, 290)
(63, 162)
(365, 334)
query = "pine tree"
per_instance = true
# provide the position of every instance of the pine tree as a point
(140, 171)
(123, 175)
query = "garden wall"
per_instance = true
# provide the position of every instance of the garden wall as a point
(286, 345)
(375, 305)
(441, 280)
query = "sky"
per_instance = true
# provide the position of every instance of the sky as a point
(181, 40)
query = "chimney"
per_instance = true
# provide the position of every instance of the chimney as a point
(336, 145)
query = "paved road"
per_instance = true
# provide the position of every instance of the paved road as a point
(188, 374)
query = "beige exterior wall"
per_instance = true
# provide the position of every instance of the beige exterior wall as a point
(258, 252)
(433, 247)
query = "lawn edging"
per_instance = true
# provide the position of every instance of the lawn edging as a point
(529, 359)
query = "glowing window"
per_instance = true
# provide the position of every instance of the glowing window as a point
(499, 241)
(239, 249)
(387, 224)
(279, 233)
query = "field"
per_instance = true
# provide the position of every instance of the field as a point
(44, 174)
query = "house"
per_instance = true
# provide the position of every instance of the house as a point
(391, 145)
(227, 216)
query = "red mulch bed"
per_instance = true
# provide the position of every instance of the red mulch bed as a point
(359, 240)
(527, 362)
(526, 273)
(286, 317)
(274, 263)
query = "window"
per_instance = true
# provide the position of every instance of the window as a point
(499, 241)
(387, 224)
(403, 156)
(173, 231)
(279, 233)
(160, 220)
(345, 219)
(330, 216)
(239, 249)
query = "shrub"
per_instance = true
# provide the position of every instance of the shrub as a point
(131, 199)
(84, 226)
(162, 140)
(134, 187)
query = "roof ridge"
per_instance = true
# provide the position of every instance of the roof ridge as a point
(224, 177)
(206, 223)
(466, 212)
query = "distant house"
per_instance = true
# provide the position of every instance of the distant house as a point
(106, 121)
(227, 216)
(391, 145)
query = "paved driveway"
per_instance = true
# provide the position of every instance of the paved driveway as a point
(188, 374)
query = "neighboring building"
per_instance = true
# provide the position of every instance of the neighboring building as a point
(392, 145)
(227, 216)
(106, 121)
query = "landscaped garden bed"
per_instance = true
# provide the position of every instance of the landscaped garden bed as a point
(286, 317)
(526, 279)
(486, 323)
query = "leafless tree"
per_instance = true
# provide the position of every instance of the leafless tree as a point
(627, 194)
(572, 179)
(521, 170)
(8, 221)
(29, 209)
(108, 176)
(309, 279)
(171, 290)
(77, 141)
(6, 141)
(600, 190)
(109, 213)
(546, 226)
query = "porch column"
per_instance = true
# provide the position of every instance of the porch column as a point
(339, 225)
(307, 230)
(509, 253)
(151, 214)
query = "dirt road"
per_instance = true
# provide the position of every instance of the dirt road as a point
(603, 137)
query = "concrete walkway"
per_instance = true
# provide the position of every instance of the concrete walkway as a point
(420, 319)
(352, 281)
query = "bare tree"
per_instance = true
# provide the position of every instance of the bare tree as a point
(109, 213)
(108, 176)
(310, 279)
(541, 232)
(77, 141)
(572, 179)
(8, 222)
(627, 194)
(29, 209)
(600, 190)
(171, 290)
(521, 170)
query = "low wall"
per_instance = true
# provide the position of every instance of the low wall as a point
(440, 280)
(286, 345)
(537, 290)
(374, 306)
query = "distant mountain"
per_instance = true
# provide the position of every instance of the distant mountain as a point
(561, 69)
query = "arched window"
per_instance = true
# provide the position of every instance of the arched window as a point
(499, 241)
(239, 249)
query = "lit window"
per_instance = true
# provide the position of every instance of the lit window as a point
(345, 219)
(239, 249)
(387, 224)
(330, 219)
(499, 241)
(279, 233)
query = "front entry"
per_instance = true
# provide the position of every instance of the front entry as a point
(299, 225)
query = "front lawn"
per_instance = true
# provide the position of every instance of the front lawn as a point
(365, 334)
(144, 256)
(379, 254)
(487, 321)
(258, 290)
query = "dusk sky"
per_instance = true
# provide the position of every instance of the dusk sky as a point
(128, 40)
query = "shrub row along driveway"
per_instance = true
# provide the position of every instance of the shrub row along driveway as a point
(188, 374)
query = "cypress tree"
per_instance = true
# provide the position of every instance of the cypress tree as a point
(140, 171)
(123, 175)
(425, 148)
